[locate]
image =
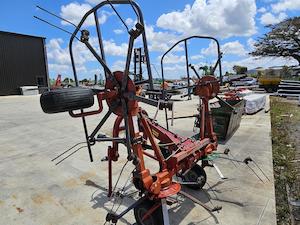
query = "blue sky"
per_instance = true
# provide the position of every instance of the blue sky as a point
(235, 23)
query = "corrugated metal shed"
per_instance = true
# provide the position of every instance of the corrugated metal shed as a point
(23, 62)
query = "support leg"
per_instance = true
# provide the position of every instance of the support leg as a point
(165, 212)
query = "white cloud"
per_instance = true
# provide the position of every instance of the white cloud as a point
(269, 18)
(118, 31)
(75, 11)
(94, 1)
(56, 53)
(119, 65)
(284, 5)
(262, 10)
(233, 48)
(161, 41)
(57, 68)
(196, 57)
(229, 48)
(178, 70)
(129, 22)
(250, 43)
(215, 17)
(210, 50)
(254, 62)
(173, 59)
(111, 48)
(59, 57)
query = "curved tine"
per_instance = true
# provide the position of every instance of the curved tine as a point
(69, 149)
(117, 13)
(106, 116)
(128, 60)
(87, 137)
(70, 155)
(134, 9)
(83, 19)
(126, 122)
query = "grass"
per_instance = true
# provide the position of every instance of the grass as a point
(285, 117)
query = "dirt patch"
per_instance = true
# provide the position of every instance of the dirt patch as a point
(20, 210)
(87, 176)
(14, 196)
(71, 183)
(42, 198)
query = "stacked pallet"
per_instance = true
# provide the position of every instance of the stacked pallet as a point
(289, 88)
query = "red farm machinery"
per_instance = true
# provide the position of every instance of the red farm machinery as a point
(176, 155)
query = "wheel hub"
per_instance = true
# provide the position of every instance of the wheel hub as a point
(115, 103)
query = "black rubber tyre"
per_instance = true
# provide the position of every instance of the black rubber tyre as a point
(156, 218)
(196, 174)
(66, 99)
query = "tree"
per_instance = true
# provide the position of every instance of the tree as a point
(66, 80)
(260, 73)
(84, 80)
(282, 41)
(286, 72)
(240, 69)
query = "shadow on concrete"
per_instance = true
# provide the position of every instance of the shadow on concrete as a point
(100, 199)
(213, 189)
(178, 212)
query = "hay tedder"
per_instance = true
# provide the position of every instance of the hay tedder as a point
(177, 156)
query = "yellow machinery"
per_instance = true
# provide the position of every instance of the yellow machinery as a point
(270, 84)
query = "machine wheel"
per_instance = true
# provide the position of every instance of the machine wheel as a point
(156, 218)
(196, 174)
(67, 99)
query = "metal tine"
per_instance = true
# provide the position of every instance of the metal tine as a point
(87, 138)
(53, 14)
(104, 119)
(70, 155)
(136, 13)
(232, 161)
(255, 173)
(213, 191)
(246, 161)
(227, 152)
(68, 150)
(114, 9)
(261, 170)
(249, 159)
(51, 24)
(235, 160)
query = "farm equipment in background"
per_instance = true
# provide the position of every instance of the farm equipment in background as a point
(60, 84)
(270, 84)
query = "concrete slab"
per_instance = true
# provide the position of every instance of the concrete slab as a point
(35, 191)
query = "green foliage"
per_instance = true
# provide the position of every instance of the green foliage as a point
(286, 72)
(260, 73)
(66, 80)
(240, 69)
(84, 80)
(283, 40)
